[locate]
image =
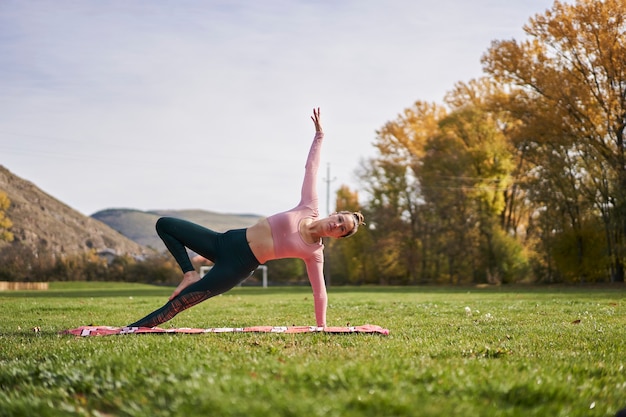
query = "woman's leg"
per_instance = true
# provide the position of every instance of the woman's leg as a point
(217, 281)
(180, 234)
(234, 262)
(172, 308)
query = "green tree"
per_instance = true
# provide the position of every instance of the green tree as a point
(289, 270)
(466, 178)
(351, 260)
(442, 183)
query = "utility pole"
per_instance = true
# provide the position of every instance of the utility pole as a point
(328, 180)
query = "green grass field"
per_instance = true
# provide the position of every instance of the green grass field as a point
(522, 352)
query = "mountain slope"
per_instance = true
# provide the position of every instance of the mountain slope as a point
(41, 220)
(139, 225)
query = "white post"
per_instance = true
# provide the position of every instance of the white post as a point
(264, 268)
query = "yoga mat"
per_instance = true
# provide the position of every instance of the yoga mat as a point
(109, 330)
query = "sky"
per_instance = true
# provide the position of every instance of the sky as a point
(206, 104)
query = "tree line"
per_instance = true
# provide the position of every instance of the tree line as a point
(518, 176)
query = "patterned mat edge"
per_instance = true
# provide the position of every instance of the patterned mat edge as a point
(110, 330)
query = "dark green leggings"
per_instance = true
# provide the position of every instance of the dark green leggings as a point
(230, 252)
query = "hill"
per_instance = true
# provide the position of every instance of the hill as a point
(139, 225)
(41, 220)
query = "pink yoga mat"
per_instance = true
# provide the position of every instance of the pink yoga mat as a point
(108, 330)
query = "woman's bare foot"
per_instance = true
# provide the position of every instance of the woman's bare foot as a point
(188, 279)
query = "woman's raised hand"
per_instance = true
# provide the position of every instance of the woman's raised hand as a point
(316, 120)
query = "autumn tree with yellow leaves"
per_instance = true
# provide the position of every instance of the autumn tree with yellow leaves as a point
(568, 85)
(5, 222)
(523, 168)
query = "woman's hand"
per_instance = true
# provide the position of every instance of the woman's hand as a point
(316, 120)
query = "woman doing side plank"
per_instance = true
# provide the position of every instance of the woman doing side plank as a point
(236, 254)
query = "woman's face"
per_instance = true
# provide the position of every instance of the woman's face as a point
(338, 225)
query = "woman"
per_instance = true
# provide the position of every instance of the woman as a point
(236, 254)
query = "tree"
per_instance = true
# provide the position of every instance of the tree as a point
(445, 188)
(288, 270)
(466, 177)
(439, 189)
(397, 222)
(352, 260)
(5, 222)
(572, 68)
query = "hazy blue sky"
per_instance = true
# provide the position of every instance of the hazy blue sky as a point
(155, 104)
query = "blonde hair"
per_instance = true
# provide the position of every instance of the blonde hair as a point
(358, 220)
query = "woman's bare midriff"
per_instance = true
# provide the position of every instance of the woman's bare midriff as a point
(261, 241)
